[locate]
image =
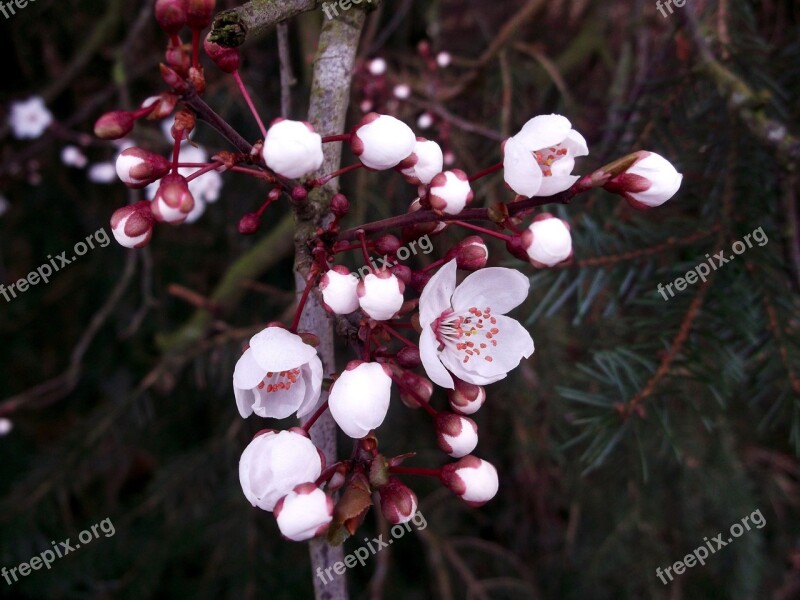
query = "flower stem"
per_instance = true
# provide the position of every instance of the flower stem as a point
(342, 137)
(303, 299)
(313, 418)
(416, 471)
(326, 178)
(204, 170)
(249, 101)
(390, 330)
(486, 171)
(497, 234)
(195, 48)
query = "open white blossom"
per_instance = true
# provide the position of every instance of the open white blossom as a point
(29, 118)
(104, 172)
(278, 375)
(273, 464)
(538, 161)
(465, 329)
(72, 156)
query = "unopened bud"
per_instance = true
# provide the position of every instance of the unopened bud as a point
(171, 15)
(455, 434)
(184, 125)
(199, 13)
(249, 224)
(471, 254)
(173, 201)
(132, 226)
(403, 273)
(178, 58)
(419, 279)
(388, 244)
(408, 357)
(340, 205)
(138, 168)
(172, 78)
(114, 125)
(299, 194)
(198, 79)
(227, 59)
(398, 502)
(466, 398)
(162, 106)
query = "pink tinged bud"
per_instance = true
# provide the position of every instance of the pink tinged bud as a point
(388, 244)
(472, 479)
(172, 78)
(424, 164)
(227, 59)
(292, 149)
(132, 225)
(274, 464)
(114, 125)
(199, 13)
(173, 201)
(359, 399)
(450, 192)
(649, 182)
(299, 194)
(471, 254)
(179, 58)
(466, 398)
(171, 15)
(138, 168)
(415, 389)
(382, 142)
(380, 295)
(163, 105)
(455, 434)
(403, 273)
(249, 224)
(340, 206)
(398, 502)
(547, 241)
(339, 293)
(304, 513)
(408, 357)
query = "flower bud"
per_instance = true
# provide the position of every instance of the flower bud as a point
(227, 59)
(649, 182)
(380, 295)
(173, 201)
(359, 399)
(471, 254)
(199, 13)
(398, 502)
(304, 513)
(249, 224)
(197, 78)
(388, 244)
(472, 479)
(171, 15)
(138, 168)
(132, 225)
(292, 148)
(114, 125)
(547, 241)
(173, 79)
(408, 358)
(414, 389)
(339, 293)
(178, 58)
(299, 194)
(403, 273)
(419, 279)
(466, 398)
(340, 206)
(183, 126)
(425, 163)
(162, 106)
(455, 434)
(450, 192)
(382, 142)
(273, 464)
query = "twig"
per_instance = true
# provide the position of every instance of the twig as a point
(234, 27)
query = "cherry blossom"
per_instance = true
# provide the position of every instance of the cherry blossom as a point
(465, 330)
(380, 295)
(382, 142)
(274, 463)
(279, 374)
(292, 148)
(538, 161)
(547, 241)
(359, 399)
(649, 182)
(304, 513)
(29, 118)
(339, 291)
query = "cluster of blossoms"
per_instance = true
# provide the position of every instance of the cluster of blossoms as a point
(466, 340)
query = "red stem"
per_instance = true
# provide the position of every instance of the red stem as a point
(497, 234)
(416, 471)
(485, 172)
(390, 330)
(313, 419)
(249, 101)
(195, 48)
(326, 178)
(204, 170)
(303, 299)
(342, 137)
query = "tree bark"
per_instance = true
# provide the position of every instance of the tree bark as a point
(330, 95)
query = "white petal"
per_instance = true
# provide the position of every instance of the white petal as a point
(244, 401)
(312, 375)
(520, 170)
(429, 355)
(576, 144)
(497, 288)
(435, 298)
(555, 184)
(280, 404)
(276, 349)
(248, 373)
(544, 131)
